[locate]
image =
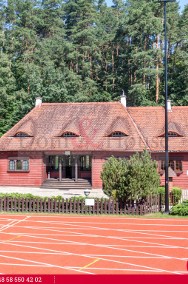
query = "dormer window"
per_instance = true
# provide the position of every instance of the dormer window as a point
(117, 134)
(171, 134)
(21, 134)
(69, 134)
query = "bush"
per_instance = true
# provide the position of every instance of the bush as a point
(161, 190)
(36, 197)
(113, 176)
(133, 179)
(176, 195)
(20, 195)
(180, 209)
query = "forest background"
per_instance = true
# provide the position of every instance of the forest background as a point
(86, 50)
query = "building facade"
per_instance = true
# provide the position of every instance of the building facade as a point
(59, 141)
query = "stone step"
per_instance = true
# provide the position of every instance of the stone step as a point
(67, 184)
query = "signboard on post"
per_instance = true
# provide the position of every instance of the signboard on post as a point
(90, 202)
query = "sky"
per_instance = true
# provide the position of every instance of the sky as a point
(182, 3)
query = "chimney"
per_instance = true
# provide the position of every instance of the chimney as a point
(38, 102)
(169, 107)
(123, 99)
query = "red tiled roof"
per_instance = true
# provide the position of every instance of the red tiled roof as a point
(151, 123)
(94, 122)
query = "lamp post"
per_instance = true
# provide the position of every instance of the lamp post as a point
(166, 108)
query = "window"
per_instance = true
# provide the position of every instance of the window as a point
(117, 134)
(176, 165)
(172, 134)
(21, 165)
(21, 134)
(85, 163)
(53, 163)
(69, 134)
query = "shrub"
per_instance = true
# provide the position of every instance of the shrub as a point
(180, 209)
(31, 196)
(113, 176)
(161, 190)
(176, 195)
(130, 179)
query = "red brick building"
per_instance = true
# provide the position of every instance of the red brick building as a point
(72, 141)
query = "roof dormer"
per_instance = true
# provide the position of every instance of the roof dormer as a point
(117, 134)
(171, 134)
(69, 134)
(22, 134)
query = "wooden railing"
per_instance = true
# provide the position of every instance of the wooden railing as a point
(72, 206)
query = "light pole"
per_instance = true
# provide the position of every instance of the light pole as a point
(166, 108)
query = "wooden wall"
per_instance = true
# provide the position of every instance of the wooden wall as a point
(34, 177)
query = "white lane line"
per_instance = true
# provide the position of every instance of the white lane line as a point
(23, 265)
(133, 270)
(109, 223)
(7, 225)
(119, 269)
(82, 244)
(37, 252)
(42, 263)
(74, 234)
(98, 217)
(88, 255)
(13, 223)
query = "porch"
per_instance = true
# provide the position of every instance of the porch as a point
(68, 171)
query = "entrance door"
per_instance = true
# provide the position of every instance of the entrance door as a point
(68, 167)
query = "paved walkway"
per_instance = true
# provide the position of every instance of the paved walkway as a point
(98, 193)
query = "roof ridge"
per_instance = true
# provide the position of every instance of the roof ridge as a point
(137, 129)
(79, 103)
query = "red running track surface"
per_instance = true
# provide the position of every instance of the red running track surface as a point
(92, 245)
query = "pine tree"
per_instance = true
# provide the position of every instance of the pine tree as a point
(179, 62)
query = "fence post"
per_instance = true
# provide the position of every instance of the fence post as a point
(48, 205)
(51, 205)
(18, 204)
(70, 206)
(66, 209)
(117, 207)
(78, 206)
(105, 207)
(1, 204)
(22, 204)
(37, 205)
(7, 204)
(55, 206)
(74, 206)
(63, 204)
(11, 205)
(82, 206)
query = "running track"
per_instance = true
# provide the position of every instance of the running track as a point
(61, 244)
